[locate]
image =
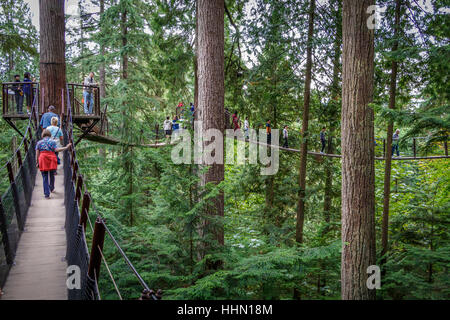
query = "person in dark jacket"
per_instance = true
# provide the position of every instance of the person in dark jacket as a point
(46, 160)
(27, 91)
(18, 93)
(322, 139)
(269, 132)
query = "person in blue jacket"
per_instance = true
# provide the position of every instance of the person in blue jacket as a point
(46, 119)
(27, 91)
(175, 125)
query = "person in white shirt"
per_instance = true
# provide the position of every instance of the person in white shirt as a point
(246, 126)
(168, 127)
(285, 137)
(88, 95)
(395, 139)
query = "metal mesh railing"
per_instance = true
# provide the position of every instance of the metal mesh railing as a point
(77, 202)
(16, 199)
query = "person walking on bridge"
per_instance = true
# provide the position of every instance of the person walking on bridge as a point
(46, 119)
(246, 128)
(88, 93)
(322, 139)
(168, 127)
(46, 160)
(57, 135)
(395, 139)
(235, 121)
(269, 132)
(285, 137)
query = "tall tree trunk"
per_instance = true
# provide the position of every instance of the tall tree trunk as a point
(101, 150)
(304, 142)
(128, 151)
(196, 62)
(52, 63)
(358, 169)
(390, 129)
(102, 52)
(211, 91)
(335, 92)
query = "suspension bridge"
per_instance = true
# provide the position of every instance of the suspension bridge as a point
(45, 242)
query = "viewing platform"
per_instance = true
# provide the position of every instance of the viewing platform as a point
(11, 110)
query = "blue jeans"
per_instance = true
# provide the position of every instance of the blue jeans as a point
(48, 187)
(88, 96)
(395, 148)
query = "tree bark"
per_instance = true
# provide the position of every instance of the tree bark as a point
(196, 62)
(128, 151)
(102, 64)
(335, 92)
(52, 63)
(304, 136)
(390, 129)
(211, 91)
(358, 170)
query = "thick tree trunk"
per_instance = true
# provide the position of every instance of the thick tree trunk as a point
(211, 91)
(304, 143)
(358, 170)
(52, 52)
(390, 129)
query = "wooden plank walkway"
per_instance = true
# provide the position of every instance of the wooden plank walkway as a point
(39, 272)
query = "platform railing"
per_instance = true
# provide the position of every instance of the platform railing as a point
(77, 99)
(16, 185)
(18, 98)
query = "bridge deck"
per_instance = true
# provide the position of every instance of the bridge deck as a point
(40, 269)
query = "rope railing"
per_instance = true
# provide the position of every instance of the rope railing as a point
(77, 218)
(410, 147)
(16, 199)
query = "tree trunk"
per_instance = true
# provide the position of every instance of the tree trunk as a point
(304, 136)
(101, 150)
(390, 129)
(102, 64)
(211, 91)
(52, 53)
(196, 63)
(128, 151)
(335, 90)
(358, 170)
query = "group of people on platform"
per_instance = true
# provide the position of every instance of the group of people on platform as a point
(23, 91)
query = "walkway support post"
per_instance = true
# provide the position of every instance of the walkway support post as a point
(97, 246)
(78, 188)
(414, 147)
(15, 194)
(85, 209)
